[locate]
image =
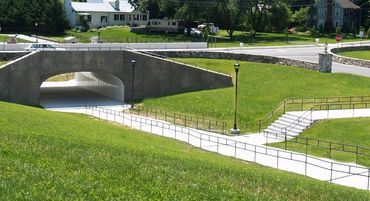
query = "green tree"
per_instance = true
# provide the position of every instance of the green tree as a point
(299, 19)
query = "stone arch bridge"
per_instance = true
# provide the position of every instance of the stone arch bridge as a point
(20, 80)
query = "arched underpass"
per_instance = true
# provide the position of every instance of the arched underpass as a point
(85, 88)
(20, 80)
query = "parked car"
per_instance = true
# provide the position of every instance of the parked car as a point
(193, 31)
(41, 46)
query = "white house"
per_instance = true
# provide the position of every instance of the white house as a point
(101, 13)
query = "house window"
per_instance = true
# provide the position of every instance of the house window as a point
(320, 11)
(122, 17)
(129, 17)
(116, 17)
(155, 23)
(173, 23)
(168, 23)
(145, 17)
(336, 23)
(103, 19)
(337, 12)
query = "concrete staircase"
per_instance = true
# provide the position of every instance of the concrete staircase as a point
(277, 129)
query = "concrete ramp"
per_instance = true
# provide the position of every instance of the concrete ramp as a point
(20, 80)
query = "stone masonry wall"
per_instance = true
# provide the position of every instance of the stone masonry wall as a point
(348, 60)
(240, 57)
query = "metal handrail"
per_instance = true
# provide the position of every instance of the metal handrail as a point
(255, 149)
(282, 107)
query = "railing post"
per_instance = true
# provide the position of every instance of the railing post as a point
(330, 150)
(331, 172)
(259, 126)
(302, 105)
(356, 154)
(368, 179)
(284, 106)
(286, 140)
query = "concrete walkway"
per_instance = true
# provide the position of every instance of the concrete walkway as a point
(247, 148)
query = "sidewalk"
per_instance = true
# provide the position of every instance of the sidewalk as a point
(247, 148)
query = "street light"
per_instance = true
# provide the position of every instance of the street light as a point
(235, 130)
(133, 63)
(3, 41)
(37, 39)
(326, 47)
(98, 35)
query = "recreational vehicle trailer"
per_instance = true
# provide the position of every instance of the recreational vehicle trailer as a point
(165, 25)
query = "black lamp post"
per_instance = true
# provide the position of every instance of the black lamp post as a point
(3, 41)
(133, 63)
(235, 130)
(99, 35)
(326, 47)
(37, 38)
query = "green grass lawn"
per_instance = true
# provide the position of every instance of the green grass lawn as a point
(355, 131)
(357, 54)
(262, 88)
(124, 34)
(4, 39)
(273, 39)
(56, 156)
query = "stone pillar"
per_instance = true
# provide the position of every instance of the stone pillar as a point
(325, 62)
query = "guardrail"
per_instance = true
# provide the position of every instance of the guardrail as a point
(200, 123)
(301, 104)
(272, 157)
(329, 146)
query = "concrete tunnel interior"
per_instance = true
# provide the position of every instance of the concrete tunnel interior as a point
(79, 89)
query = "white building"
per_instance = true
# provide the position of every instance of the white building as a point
(101, 13)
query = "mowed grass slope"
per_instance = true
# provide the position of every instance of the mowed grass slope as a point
(53, 156)
(353, 131)
(357, 54)
(261, 88)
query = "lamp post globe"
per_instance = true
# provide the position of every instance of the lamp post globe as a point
(326, 47)
(235, 130)
(133, 63)
(37, 38)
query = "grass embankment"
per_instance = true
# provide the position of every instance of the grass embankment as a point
(54, 156)
(357, 54)
(62, 77)
(347, 131)
(261, 88)
(2, 62)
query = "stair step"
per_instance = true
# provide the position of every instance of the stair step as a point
(283, 124)
(281, 129)
(290, 119)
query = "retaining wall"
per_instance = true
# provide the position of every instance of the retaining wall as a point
(240, 57)
(349, 60)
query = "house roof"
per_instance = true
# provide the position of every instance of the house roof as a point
(347, 4)
(102, 6)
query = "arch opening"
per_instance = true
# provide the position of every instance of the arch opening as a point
(72, 91)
